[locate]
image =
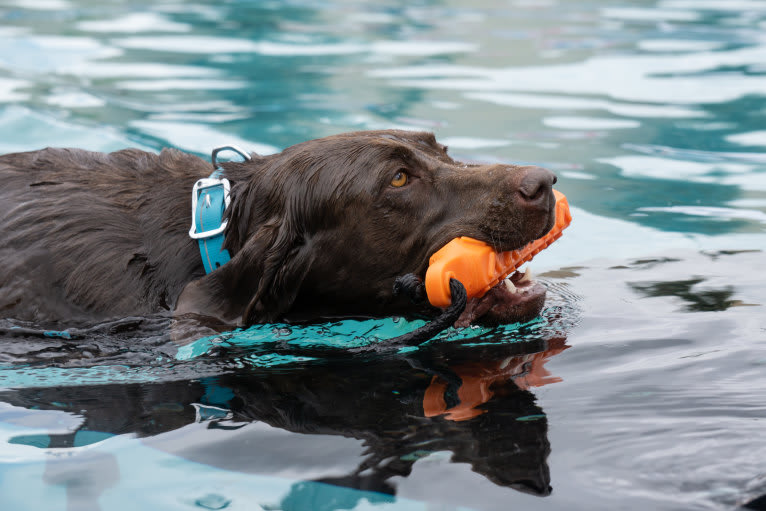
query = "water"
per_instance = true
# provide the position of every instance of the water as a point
(641, 385)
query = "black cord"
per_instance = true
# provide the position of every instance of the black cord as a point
(412, 286)
(429, 330)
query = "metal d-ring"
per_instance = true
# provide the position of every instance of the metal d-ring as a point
(214, 156)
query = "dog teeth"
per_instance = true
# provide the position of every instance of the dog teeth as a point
(527, 276)
(509, 286)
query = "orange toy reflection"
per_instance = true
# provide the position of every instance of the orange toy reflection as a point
(526, 371)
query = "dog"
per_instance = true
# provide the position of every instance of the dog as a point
(321, 230)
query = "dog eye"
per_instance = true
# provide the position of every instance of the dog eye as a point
(400, 179)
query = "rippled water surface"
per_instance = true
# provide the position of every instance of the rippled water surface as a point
(640, 387)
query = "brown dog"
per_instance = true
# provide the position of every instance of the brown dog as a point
(319, 230)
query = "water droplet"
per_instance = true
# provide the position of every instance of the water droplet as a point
(213, 501)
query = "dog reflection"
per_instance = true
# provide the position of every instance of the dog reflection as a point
(473, 402)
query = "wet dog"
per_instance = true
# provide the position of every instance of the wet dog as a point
(320, 230)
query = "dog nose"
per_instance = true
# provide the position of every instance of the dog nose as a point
(536, 184)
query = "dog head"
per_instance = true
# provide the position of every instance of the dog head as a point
(325, 227)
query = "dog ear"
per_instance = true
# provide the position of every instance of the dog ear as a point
(270, 224)
(285, 263)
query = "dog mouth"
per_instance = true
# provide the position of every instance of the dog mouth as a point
(516, 299)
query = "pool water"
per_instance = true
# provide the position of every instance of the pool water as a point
(640, 386)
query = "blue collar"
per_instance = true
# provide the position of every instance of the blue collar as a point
(210, 198)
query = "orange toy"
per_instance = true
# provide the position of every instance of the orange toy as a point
(478, 267)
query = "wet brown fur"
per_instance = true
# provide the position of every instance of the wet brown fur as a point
(314, 231)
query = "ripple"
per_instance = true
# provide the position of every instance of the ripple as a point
(679, 45)
(688, 79)
(43, 5)
(198, 138)
(74, 99)
(574, 103)
(656, 167)
(715, 5)
(148, 70)
(589, 123)
(133, 23)
(188, 44)
(9, 90)
(25, 129)
(649, 14)
(472, 142)
(421, 48)
(571, 174)
(51, 53)
(711, 212)
(190, 84)
(751, 138)
(205, 45)
(696, 154)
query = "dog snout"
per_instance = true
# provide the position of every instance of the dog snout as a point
(536, 185)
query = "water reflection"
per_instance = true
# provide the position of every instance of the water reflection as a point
(699, 294)
(472, 402)
(696, 300)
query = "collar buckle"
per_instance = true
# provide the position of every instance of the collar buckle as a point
(208, 183)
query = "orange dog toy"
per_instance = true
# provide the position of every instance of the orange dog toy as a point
(478, 267)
